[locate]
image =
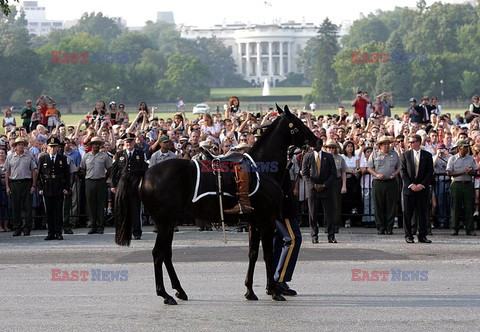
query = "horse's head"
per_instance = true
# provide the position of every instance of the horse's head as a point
(301, 134)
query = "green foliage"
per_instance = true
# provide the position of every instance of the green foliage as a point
(324, 47)
(353, 76)
(469, 83)
(99, 25)
(186, 78)
(367, 30)
(293, 79)
(395, 77)
(6, 10)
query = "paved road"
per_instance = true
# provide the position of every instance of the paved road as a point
(212, 273)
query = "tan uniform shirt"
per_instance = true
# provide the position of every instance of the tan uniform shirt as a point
(20, 167)
(96, 165)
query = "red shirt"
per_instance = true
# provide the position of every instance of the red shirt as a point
(44, 111)
(361, 108)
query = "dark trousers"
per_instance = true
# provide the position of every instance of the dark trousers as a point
(462, 194)
(54, 211)
(313, 207)
(337, 202)
(22, 200)
(286, 246)
(67, 210)
(385, 196)
(417, 202)
(96, 192)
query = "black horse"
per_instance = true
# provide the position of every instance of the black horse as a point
(167, 189)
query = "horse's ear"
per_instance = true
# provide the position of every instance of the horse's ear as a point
(279, 110)
(287, 110)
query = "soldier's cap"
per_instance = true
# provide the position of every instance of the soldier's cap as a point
(183, 138)
(127, 137)
(96, 140)
(164, 139)
(462, 143)
(53, 141)
(241, 146)
(413, 99)
(384, 139)
(20, 140)
(332, 144)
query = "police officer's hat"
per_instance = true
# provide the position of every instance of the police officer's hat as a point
(53, 141)
(128, 137)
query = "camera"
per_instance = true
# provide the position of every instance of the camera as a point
(358, 125)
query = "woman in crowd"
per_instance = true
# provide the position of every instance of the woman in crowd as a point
(9, 121)
(352, 196)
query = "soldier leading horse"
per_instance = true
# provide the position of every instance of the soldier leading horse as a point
(166, 191)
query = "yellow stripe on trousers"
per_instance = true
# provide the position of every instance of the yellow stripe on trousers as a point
(290, 250)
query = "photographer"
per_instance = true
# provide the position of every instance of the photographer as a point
(360, 103)
(233, 107)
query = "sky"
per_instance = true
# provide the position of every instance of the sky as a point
(207, 13)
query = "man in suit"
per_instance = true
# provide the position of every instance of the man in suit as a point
(127, 160)
(54, 184)
(417, 174)
(319, 173)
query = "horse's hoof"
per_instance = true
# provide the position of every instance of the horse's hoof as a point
(278, 297)
(170, 301)
(251, 296)
(182, 296)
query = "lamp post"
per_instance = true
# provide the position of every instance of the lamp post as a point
(441, 92)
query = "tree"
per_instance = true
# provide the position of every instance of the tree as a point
(368, 29)
(133, 43)
(469, 83)
(395, 75)
(186, 78)
(325, 81)
(5, 7)
(218, 58)
(353, 74)
(14, 37)
(98, 25)
(68, 81)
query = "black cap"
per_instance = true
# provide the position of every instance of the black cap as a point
(128, 137)
(53, 141)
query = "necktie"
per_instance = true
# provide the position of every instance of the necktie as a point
(130, 155)
(417, 162)
(53, 159)
(319, 163)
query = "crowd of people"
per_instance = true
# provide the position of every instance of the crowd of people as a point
(367, 143)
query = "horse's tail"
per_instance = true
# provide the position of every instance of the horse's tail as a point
(127, 190)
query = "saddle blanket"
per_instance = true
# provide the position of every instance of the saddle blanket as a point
(207, 177)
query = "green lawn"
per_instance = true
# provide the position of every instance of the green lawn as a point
(216, 93)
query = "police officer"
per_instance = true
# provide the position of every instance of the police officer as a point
(53, 185)
(288, 238)
(384, 165)
(461, 167)
(96, 165)
(20, 184)
(127, 160)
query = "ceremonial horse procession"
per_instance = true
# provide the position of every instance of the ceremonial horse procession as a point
(170, 189)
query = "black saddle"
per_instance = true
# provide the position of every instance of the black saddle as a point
(234, 157)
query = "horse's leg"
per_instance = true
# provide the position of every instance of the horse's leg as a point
(159, 253)
(267, 245)
(254, 244)
(172, 274)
